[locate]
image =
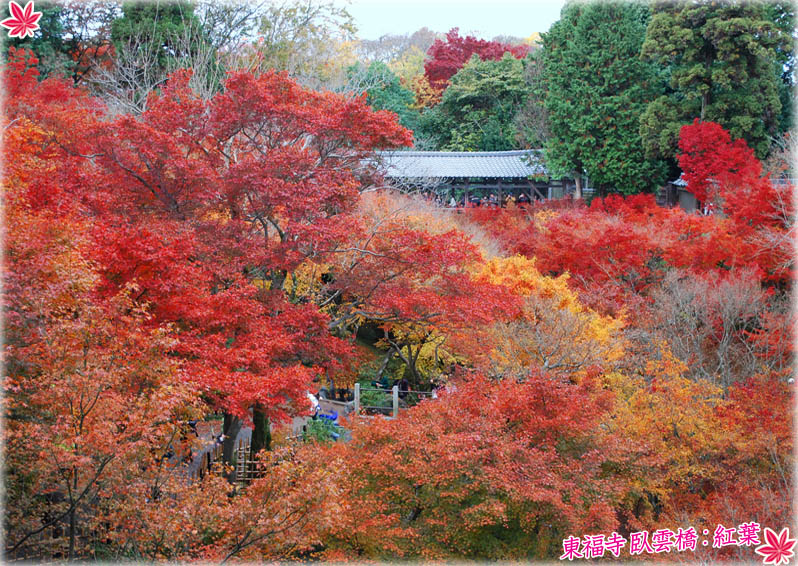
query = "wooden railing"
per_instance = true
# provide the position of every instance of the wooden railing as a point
(410, 397)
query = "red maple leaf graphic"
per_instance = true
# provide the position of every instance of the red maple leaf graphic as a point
(777, 549)
(23, 22)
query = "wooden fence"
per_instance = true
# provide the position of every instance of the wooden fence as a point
(246, 468)
(210, 453)
(398, 398)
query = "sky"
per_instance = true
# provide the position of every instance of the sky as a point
(482, 18)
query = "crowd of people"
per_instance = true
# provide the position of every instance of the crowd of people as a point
(473, 200)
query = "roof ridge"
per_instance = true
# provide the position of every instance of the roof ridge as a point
(461, 153)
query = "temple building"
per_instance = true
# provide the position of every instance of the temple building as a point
(465, 176)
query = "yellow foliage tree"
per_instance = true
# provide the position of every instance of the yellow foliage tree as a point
(426, 96)
(409, 66)
(554, 330)
(674, 440)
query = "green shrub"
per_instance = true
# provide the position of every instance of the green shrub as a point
(320, 430)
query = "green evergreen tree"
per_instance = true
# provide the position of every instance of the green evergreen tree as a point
(69, 36)
(477, 111)
(386, 92)
(595, 88)
(720, 59)
(170, 26)
(47, 42)
(782, 14)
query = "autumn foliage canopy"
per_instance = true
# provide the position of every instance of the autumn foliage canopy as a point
(604, 368)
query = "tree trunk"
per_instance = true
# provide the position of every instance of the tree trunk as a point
(278, 279)
(578, 181)
(230, 429)
(411, 365)
(72, 520)
(261, 435)
(384, 364)
(331, 387)
(72, 526)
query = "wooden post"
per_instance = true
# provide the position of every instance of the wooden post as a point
(357, 398)
(501, 192)
(395, 395)
(465, 204)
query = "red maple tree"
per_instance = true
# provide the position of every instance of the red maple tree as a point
(445, 58)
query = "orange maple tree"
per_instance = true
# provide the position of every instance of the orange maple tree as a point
(490, 470)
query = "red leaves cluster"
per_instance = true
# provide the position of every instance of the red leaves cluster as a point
(617, 248)
(415, 278)
(609, 251)
(760, 423)
(445, 58)
(714, 442)
(727, 173)
(93, 398)
(709, 156)
(206, 206)
(488, 466)
(146, 267)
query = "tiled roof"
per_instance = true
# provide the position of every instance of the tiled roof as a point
(680, 182)
(453, 164)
